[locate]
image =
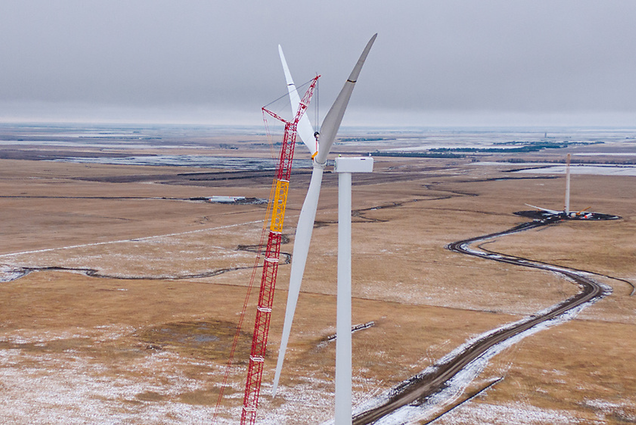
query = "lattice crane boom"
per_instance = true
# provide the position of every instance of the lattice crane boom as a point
(270, 263)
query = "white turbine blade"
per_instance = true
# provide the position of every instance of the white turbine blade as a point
(305, 130)
(299, 259)
(544, 209)
(332, 121)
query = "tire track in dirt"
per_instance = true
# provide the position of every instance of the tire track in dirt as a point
(19, 271)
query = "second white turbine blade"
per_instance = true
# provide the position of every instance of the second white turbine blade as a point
(299, 259)
(332, 121)
(305, 130)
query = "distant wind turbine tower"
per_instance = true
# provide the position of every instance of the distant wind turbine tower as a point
(566, 209)
(566, 213)
(304, 229)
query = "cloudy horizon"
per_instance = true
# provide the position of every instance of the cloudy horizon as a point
(451, 62)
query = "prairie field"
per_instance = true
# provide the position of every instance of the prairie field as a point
(121, 289)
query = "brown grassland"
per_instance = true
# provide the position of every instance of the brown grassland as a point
(120, 319)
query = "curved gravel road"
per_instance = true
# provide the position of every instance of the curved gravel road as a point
(418, 389)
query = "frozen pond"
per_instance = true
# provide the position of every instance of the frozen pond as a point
(203, 161)
(599, 170)
(88, 144)
(605, 154)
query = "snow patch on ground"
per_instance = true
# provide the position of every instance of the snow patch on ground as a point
(9, 273)
(513, 414)
(71, 387)
(153, 257)
(623, 411)
(66, 388)
(458, 384)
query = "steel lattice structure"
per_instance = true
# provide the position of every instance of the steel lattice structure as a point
(270, 263)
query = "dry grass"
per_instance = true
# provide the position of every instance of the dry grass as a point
(152, 349)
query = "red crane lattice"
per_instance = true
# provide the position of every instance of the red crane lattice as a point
(270, 263)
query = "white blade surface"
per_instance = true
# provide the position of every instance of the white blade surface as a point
(305, 130)
(545, 209)
(331, 124)
(299, 259)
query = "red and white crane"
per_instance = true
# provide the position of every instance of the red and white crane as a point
(278, 203)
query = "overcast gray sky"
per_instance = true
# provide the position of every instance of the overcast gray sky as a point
(434, 62)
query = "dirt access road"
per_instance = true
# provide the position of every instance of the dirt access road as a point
(419, 388)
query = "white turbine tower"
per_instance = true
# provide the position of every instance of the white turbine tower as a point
(304, 229)
(344, 167)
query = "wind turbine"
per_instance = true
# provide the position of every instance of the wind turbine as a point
(319, 148)
(566, 208)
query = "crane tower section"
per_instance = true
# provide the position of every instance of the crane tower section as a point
(278, 203)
